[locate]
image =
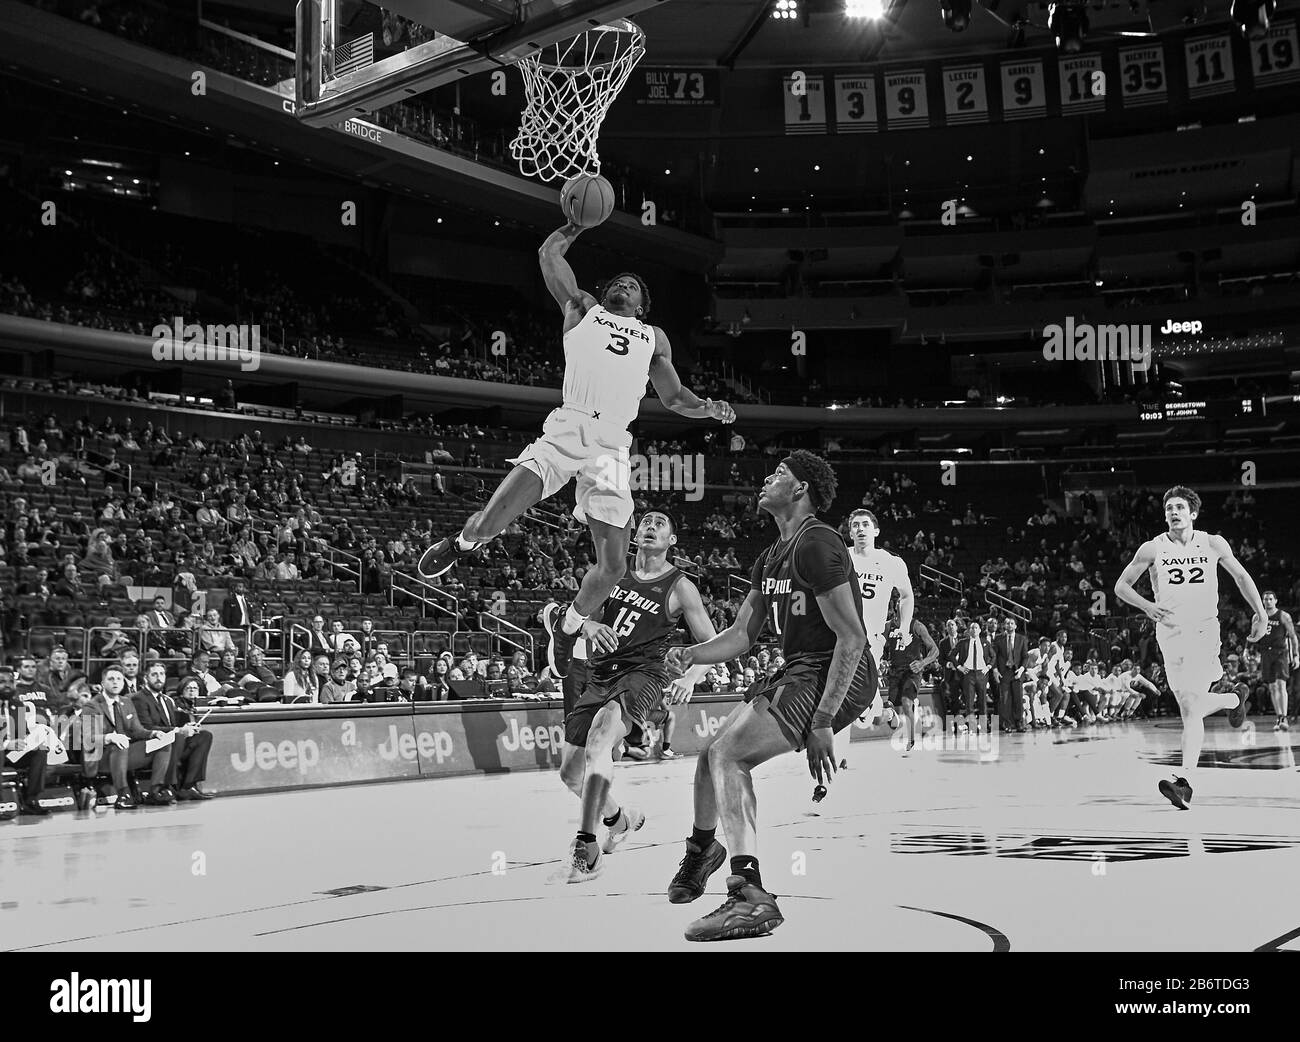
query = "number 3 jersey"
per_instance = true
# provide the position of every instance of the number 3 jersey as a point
(790, 574)
(1185, 578)
(637, 612)
(607, 364)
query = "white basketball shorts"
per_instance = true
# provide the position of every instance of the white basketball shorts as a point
(1191, 655)
(574, 445)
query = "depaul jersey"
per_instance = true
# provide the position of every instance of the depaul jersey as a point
(607, 364)
(900, 662)
(1185, 578)
(879, 574)
(637, 612)
(791, 574)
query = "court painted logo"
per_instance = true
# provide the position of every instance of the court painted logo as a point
(192, 342)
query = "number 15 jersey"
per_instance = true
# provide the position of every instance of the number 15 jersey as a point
(1185, 578)
(791, 574)
(607, 364)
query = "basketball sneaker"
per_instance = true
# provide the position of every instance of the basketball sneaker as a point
(583, 865)
(748, 911)
(439, 559)
(559, 650)
(669, 754)
(1177, 792)
(631, 819)
(694, 871)
(1286, 726)
(1237, 717)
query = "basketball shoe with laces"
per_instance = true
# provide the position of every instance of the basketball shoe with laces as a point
(559, 652)
(694, 871)
(748, 911)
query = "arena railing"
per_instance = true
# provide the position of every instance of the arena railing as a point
(942, 580)
(737, 584)
(95, 659)
(494, 625)
(271, 641)
(1007, 605)
(435, 601)
(340, 561)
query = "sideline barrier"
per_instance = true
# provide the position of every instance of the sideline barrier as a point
(258, 749)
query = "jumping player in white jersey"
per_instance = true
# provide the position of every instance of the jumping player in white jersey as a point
(879, 574)
(1184, 568)
(609, 353)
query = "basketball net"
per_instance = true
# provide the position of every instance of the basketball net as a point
(568, 88)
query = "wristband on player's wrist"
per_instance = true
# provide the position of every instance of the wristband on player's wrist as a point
(820, 721)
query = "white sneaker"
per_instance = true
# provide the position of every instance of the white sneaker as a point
(669, 754)
(577, 869)
(634, 819)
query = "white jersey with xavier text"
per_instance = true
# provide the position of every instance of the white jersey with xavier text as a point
(879, 573)
(607, 364)
(1185, 579)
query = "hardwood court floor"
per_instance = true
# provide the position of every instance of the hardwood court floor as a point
(1043, 842)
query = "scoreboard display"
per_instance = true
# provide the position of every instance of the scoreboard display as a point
(1202, 409)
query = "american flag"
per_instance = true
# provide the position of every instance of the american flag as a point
(355, 54)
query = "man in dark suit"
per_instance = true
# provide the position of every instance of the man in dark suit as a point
(973, 658)
(110, 724)
(189, 760)
(1010, 650)
(163, 636)
(950, 686)
(237, 611)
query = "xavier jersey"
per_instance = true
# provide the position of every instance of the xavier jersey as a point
(607, 364)
(1185, 578)
(791, 574)
(637, 612)
(879, 574)
(1274, 640)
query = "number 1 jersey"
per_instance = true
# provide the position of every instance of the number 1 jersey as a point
(790, 574)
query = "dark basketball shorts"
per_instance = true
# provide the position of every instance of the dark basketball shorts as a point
(640, 692)
(794, 693)
(575, 683)
(1274, 666)
(903, 685)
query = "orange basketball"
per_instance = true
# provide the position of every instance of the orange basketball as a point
(586, 200)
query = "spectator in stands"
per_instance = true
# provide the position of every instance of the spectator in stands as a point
(209, 685)
(99, 555)
(406, 691)
(227, 669)
(436, 685)
(116, 730)
(190, 746)
(129, 660)
(339, 687)
(57, 676)
(237, 611)
(300, 684)
(318, 641)
(214, 638)
(257, 670)
(285, 568)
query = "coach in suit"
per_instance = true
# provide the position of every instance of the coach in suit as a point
(1010, 650)
(123, 736)
(950, 686)
(973, 658)
(189, 760)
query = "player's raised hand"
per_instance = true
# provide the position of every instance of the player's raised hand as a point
(600, 638)
(679, 691)
(821, 754)
(1258, 628)
(720, 411)
(679, 660)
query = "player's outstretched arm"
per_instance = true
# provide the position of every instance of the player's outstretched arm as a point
(931, 648)
(1244, 583)
(1124, 590)
(841, 613)
(668, 385)
(732, 642)
(685, 599)
(559, 276)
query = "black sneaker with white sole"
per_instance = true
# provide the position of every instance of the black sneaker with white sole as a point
(439, 559)
(559, 651)
(1237, 717)
(1177, 792)
(694, 871)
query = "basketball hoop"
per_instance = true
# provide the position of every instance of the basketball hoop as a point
(568, 88)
